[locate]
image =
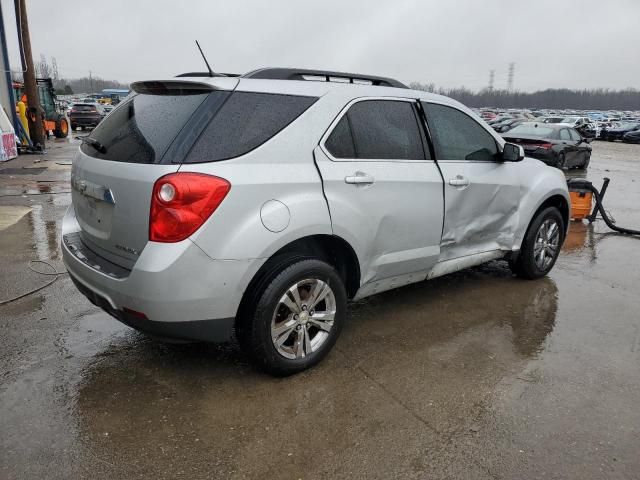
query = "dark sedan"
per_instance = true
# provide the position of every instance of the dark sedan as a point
(557, 145)
(618, 133)
(632, 137)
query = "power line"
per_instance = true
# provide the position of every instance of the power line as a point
(512, 67)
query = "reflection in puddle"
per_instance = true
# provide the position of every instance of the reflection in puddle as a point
(434, 351)
(45, 234)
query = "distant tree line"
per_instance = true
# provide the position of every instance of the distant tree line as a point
(551, 98)
(69, 86)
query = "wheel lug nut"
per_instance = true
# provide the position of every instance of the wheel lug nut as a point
(311, 312)
(295, 317)
(304, 307)
(299, 327)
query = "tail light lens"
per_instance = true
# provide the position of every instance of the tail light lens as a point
(546, 146)
(182, 202)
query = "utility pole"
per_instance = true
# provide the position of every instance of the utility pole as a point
(512, 67)
(492, 76)
(91, 81)
(30, 84)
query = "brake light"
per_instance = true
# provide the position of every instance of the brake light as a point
(181, 202)
(546, 146)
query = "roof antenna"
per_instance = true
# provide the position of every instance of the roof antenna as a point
(211, 74)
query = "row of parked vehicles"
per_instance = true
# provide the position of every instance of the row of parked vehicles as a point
(624, 128)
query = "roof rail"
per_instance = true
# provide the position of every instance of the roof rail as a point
(322, 76)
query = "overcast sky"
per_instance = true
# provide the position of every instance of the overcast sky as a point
(554, 43)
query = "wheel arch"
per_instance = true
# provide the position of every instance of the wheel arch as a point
(556, 200)
(330, 248)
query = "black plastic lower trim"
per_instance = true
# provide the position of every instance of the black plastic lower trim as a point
(215, 330)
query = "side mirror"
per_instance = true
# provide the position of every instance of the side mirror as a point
(512, 153)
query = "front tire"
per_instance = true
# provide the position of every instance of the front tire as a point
(541, 245)
(296, 318)
(562, 161)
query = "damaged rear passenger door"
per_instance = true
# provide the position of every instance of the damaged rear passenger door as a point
(481, 192)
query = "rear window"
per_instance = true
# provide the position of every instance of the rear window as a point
(84, 108)
(142, 128)
(244, 122)
(533, 131)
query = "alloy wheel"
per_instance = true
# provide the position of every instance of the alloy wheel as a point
(303, 318)
(547, 243)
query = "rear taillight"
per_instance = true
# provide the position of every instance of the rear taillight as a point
(181, 202)
(546, 146)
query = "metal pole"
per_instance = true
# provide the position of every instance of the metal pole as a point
(30, 84)
(7, 72)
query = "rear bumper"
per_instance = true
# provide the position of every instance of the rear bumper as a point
(85, 121)
(547, 156)
(217, 330)
(182, 292)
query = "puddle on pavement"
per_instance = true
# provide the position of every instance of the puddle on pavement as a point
(403, 354)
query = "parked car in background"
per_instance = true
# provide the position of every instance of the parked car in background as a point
(558, 145)
(632, 136)
(618, 132)
(86, 115)
(508, 125)
(488, 115)
(186, 221)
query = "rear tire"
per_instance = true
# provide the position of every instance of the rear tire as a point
(294, 318)
(541, 245)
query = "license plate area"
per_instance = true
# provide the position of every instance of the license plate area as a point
(94, 215)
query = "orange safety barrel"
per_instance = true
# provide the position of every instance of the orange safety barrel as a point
(581, 200)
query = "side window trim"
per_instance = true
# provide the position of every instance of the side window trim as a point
(343, 113)
(499, 147)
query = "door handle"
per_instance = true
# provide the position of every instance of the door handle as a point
(359, 178)
(459, 181)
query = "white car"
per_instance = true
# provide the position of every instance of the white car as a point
(207, 206)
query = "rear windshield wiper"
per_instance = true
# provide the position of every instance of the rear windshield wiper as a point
(94, 143)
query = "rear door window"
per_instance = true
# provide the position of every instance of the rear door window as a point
(457, 136)
(564, 134)
(244, 122)
(142, 128)
(378, 130)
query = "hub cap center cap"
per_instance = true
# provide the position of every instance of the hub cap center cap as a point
(304, 318)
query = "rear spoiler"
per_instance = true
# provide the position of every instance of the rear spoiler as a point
(171, 87)
(184, 87)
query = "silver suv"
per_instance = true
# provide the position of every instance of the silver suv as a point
(258, 205)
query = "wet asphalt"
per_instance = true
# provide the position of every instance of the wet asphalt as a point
(474, 375)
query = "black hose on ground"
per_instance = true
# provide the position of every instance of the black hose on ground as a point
(585, 184)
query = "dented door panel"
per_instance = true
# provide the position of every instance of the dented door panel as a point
(481, 213)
